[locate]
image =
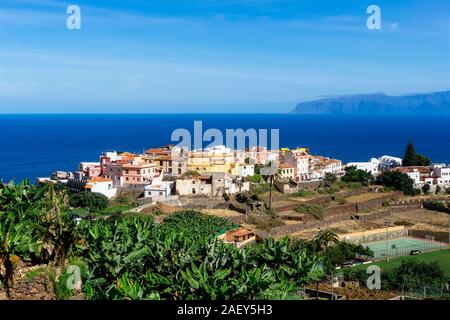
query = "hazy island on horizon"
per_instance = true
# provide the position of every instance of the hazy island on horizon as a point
(379, 104)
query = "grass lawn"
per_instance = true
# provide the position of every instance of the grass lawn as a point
(442, 257)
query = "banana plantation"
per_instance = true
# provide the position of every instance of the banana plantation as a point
(132, 257)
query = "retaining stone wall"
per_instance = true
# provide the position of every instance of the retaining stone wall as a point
(290, 229)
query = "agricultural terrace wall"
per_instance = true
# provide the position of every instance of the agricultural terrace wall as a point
(375, 235)
(348, 208)
(293, 228)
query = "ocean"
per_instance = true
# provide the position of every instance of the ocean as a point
(34, 146)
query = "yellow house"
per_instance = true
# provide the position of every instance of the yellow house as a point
(303, 150)
(204, 162)
(283, 151)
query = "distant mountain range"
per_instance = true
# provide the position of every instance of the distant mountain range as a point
(379, 104)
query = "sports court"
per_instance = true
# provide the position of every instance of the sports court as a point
(402, 246)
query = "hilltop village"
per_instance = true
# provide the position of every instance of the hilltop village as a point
(300, 195)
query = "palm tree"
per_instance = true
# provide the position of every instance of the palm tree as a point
(325, 238)
(271, 171)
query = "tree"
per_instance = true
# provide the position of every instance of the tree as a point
(342, 252)
(438, 190)
(415, 275)
(89, 200)
(329, 179)
(397, 180)
(352, 174)
(191, 174)
(422, 160)
(411, 158)
(426, 188)
(325, 238)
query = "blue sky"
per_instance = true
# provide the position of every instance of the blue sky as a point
(215, 56)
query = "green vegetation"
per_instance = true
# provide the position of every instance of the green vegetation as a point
(329, 179)
(442, 258)
(316, 210)
(134, 258)
(411, 274)
(341, 200)
(115, 209)
(256, 178)
(260, 188)
(343, 252)
(123, 257)
(440, 206)
(397, 181)
(33, 226)
(182, 259)
(303, 193)
(341, 185)
(191, 174)
(355, 175)
(89, 200)
(411, 158)
(426, 188)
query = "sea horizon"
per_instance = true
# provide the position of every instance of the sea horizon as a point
(35, 145)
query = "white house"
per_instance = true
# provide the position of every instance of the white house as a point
(372, 166)
(246, 170)
(101, 185)
(159, 190)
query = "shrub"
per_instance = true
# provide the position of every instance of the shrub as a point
(414, 275)
(396, 180)
(437, 206)
(337, 254)
(303, 193)
(191, 174)
(426, 188)
(241, 197)
(315, 209)
(123, 198)
(256, 178)
(330, 178)
(438, 190)
(355, 175)
(260, 188)
(341, 200)
(89, 200)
